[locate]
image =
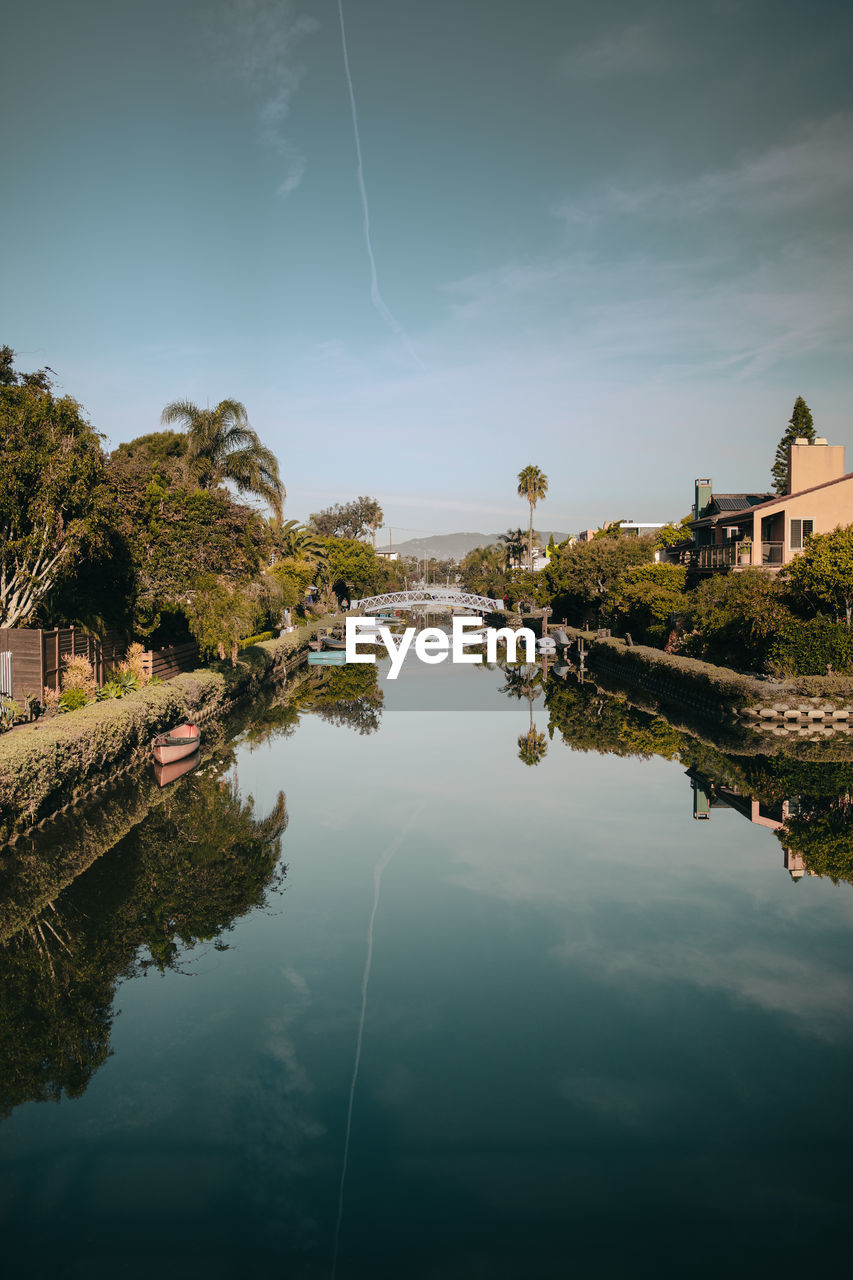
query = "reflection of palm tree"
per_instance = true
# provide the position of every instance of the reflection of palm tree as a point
(532, 747)
(524, 680)
(221, 445)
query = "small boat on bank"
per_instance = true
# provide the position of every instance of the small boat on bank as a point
(176, 744)
(333, 642)
(327, 658)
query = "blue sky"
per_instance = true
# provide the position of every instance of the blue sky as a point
(611, 239)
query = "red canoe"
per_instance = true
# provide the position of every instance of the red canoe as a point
(176, 744)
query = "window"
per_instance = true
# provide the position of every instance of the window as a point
(800, 530)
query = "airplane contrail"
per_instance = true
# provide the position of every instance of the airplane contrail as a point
(378, 872)
(375, 293)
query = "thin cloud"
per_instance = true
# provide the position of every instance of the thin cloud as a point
(258, 40)
(635, 50)
(812, 168)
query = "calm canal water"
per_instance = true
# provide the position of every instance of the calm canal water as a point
(441, 1014)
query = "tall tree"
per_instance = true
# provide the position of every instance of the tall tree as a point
(221, 445)
(55, 503)
(532, 486)
(800, 425)
(348, 519)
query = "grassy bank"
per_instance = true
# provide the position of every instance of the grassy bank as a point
(53, 762)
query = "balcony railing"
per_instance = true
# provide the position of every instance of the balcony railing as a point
(771, 552)
(716, 557)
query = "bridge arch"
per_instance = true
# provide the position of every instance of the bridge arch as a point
(443, 597)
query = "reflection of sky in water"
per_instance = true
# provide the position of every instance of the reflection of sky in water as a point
(598, 1033)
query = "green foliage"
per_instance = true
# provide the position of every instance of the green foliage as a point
(589, 720)
(220, 614)
(185, 871)
(354, 569)
(823, 834)
(611, 529)
(735, 618)
(179, 539)
(483, 571)
(290, 578)
(159, 454)
(583, 576)
(55, 504)
(800, 424)
(221, 446)
(347, 520)
(348, 696)
(515, 543)
(644, 599)
(250, 640)
(529, 586)
(820, 579)
(73, 700)
(532, 747)
(10, 713)
(672, 534)
(811, 646)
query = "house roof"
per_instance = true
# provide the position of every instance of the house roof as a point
(737, 501)
(748, 508)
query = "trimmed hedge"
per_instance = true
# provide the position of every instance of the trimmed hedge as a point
(807, 648)
(709, 689)
(45, 765)
(715, 691)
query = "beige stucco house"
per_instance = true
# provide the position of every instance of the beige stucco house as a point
(766, 531)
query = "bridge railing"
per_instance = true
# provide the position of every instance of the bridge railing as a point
(447, 596)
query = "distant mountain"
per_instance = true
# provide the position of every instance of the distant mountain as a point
(453, 546)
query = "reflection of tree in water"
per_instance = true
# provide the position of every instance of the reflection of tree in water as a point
(348, 696)
(822, 833)
(525, 680)
(819, 821)
(182, 876)
(591, 720)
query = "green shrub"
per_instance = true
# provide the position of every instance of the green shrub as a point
(73, 699)
(734, 619)
(263, 635)
(10, 713)
(811, 647)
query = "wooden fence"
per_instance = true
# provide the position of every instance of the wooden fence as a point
(36, 657)
(167, 663)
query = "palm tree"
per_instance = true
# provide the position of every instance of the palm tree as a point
(514, 541)
(532, 485)
(221, 445)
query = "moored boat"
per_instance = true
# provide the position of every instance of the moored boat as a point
(177, 743)
(165, 773)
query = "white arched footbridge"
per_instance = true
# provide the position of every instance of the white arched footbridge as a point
(443, 597)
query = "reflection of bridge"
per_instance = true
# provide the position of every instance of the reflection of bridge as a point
(443, 597)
